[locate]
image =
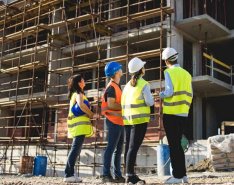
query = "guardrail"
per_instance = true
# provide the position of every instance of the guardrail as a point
(218, 69)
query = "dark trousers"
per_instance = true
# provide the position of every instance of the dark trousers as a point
(73, 154)
(115, 137)
(174, 128)
(134, 137)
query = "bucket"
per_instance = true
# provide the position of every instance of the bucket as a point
(26, 164)
(40, 165)
(163, 160)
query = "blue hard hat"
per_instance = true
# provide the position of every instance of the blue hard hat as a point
(76, 109)
(111, 68)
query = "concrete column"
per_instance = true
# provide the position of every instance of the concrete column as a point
(197, 59)
(195, 9)
(211, 123)
(197, 101)
(176, 38)
(53, 79)
(197, 118)
(178, 7)
(176, 41)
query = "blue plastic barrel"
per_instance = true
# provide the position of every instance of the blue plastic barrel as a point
(163, 160)
(40, 165)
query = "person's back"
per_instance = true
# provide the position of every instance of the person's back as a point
(136, 101)
(180, 101)
(177, 99)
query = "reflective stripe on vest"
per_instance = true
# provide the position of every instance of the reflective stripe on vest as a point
(80, 125)
(134, 109)
(182, 92)
(136, 116)
(133, 106)
(177, 103)
(112, 115)
(180, 101)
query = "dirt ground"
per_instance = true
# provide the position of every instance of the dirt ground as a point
(194, 178)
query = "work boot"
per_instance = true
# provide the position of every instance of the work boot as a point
(119, 179)
(134, 180)
(107, 178)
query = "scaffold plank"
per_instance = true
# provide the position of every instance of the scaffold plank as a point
(24, 67)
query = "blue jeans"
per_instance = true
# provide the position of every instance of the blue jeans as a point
(115, 137)
(73, 154)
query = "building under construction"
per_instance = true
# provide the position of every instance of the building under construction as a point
(42, 43)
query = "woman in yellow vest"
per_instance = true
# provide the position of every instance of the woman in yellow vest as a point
(177, 99)
(79, 124)
(136, 101)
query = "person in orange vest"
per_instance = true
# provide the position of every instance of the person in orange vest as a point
(111, 109)
(78, 123)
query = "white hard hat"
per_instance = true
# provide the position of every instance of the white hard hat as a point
(169, 54)
(135, 65)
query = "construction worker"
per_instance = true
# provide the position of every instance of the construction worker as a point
(136, 101)
(79, 126)
(111, 108)
(177, 98)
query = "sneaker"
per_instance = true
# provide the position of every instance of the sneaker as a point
(173, 180)
(119, 179)
(185, 179)
(72, 179)
(107, 178)
(134, 180)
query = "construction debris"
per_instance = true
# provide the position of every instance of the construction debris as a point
(201, 166)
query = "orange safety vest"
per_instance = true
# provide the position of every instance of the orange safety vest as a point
(115, 116)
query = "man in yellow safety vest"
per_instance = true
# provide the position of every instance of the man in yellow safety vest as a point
(177, 98)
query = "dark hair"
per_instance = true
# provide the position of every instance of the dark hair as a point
(135, 77)
(73, 86)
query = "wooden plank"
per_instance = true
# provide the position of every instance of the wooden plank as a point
(137, 16)
(71, 21)
(24, 67)
(62, 70)
(26, 32)
(224, 124)
(30, 11)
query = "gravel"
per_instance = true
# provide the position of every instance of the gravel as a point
(194, 178)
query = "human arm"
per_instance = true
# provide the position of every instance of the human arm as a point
(83, 106)
(112, 104)
(111, 99)
(149, 100)
(168, 87)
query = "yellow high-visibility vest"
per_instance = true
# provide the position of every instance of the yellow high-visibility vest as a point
(134, 109)
(180, 101)
(78, 125)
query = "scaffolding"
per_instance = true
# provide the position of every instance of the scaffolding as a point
(44, 42)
